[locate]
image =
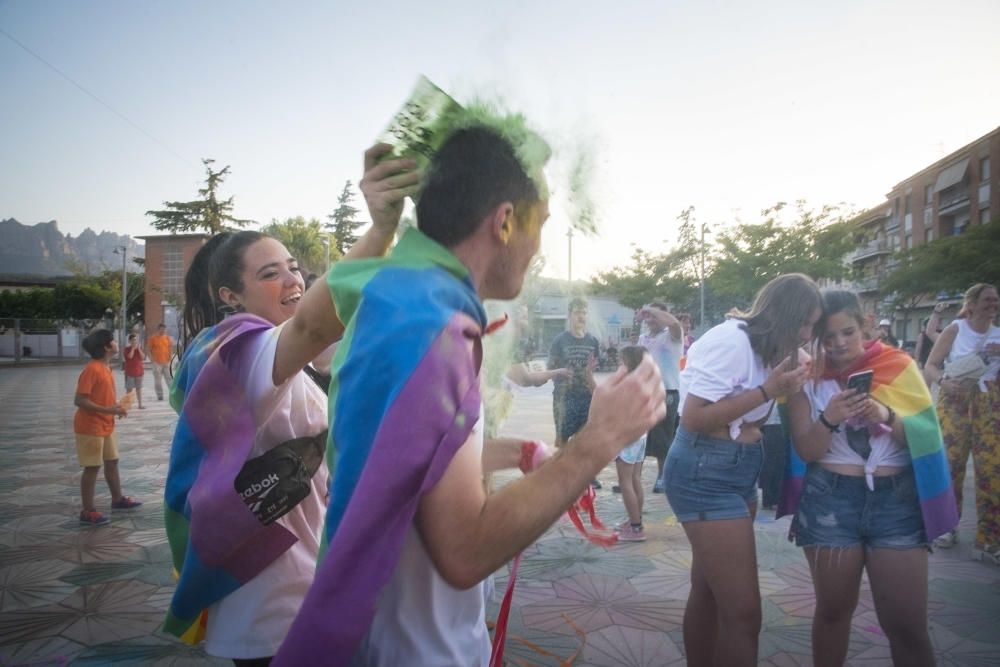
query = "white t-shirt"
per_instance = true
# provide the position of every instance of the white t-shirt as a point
(667, 353)
(968, 341)
(252, 621)
(885, 451)
(420, 619)
(721, 364)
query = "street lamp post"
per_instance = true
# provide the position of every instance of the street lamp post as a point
(702, 323)
(124, 254)
(569, 235)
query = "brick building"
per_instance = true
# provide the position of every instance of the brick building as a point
(167, 259)
(943, 199)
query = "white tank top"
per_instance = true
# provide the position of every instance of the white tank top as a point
(968, 341)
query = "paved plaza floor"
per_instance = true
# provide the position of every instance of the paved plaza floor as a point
(95, 596)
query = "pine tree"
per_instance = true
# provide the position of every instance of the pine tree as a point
(342, 223)
(208, 213)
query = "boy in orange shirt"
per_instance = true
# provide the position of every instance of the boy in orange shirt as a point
(160, 348)
(94, 426)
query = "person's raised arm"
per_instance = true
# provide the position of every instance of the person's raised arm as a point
(933, 322)
(315, 325)
(667, 321)
(934, 367)
(469, 535)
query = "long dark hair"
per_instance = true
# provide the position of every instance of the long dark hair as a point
(218, 263)
(779, 310)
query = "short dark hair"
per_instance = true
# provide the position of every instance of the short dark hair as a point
(96, 343)
(659, 305)
(577, 302)
(474, 171)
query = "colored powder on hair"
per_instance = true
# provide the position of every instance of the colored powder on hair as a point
(429, 116)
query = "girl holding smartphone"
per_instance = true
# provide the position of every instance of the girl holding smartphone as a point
(734, 373)
(865, 504)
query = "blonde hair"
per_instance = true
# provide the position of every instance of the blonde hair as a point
(973, 293)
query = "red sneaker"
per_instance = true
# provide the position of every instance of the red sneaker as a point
(125, 503)
(93, 518)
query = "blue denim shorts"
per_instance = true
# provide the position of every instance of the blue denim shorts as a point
(841, 511)
(708, 479)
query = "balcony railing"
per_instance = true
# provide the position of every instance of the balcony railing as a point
(953, 197)
(862, 285)
(870, 250)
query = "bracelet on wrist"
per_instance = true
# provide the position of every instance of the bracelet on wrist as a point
(891, 419)
(763, 392)
(833, 428)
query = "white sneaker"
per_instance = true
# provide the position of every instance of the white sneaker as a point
(947, 541)
(989, 555)
(630, 534)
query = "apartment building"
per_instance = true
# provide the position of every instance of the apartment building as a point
(943, 199)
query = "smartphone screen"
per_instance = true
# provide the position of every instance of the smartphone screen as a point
(861, 381)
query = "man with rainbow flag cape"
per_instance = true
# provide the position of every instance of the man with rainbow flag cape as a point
(410, 533)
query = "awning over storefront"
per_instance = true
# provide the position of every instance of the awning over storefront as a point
(951, 175)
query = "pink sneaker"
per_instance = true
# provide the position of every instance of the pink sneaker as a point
(630, 534)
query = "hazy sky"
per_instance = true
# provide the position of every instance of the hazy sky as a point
(725, 106)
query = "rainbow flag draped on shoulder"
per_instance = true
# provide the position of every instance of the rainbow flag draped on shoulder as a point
(404, 397)
(217, 544)
(899, 385)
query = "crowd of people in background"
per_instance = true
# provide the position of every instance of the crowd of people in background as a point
(325, 493)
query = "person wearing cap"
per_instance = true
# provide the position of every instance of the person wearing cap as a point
(885, 333)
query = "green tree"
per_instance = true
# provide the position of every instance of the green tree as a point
(81, 299)
(749, 255)
(343, 222)
(650, 278)
(209, 213)
(950, 264)
(305, 239)
(671, 276)
(34, 303)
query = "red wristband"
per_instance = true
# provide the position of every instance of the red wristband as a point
(533, 453)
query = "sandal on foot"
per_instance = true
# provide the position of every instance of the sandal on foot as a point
(125, 503)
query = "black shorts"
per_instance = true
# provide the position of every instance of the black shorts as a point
(660, 436)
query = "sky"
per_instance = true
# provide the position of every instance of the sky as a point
(728, 107)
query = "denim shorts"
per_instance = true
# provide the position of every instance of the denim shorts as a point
(709, 479)
(841, 511)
